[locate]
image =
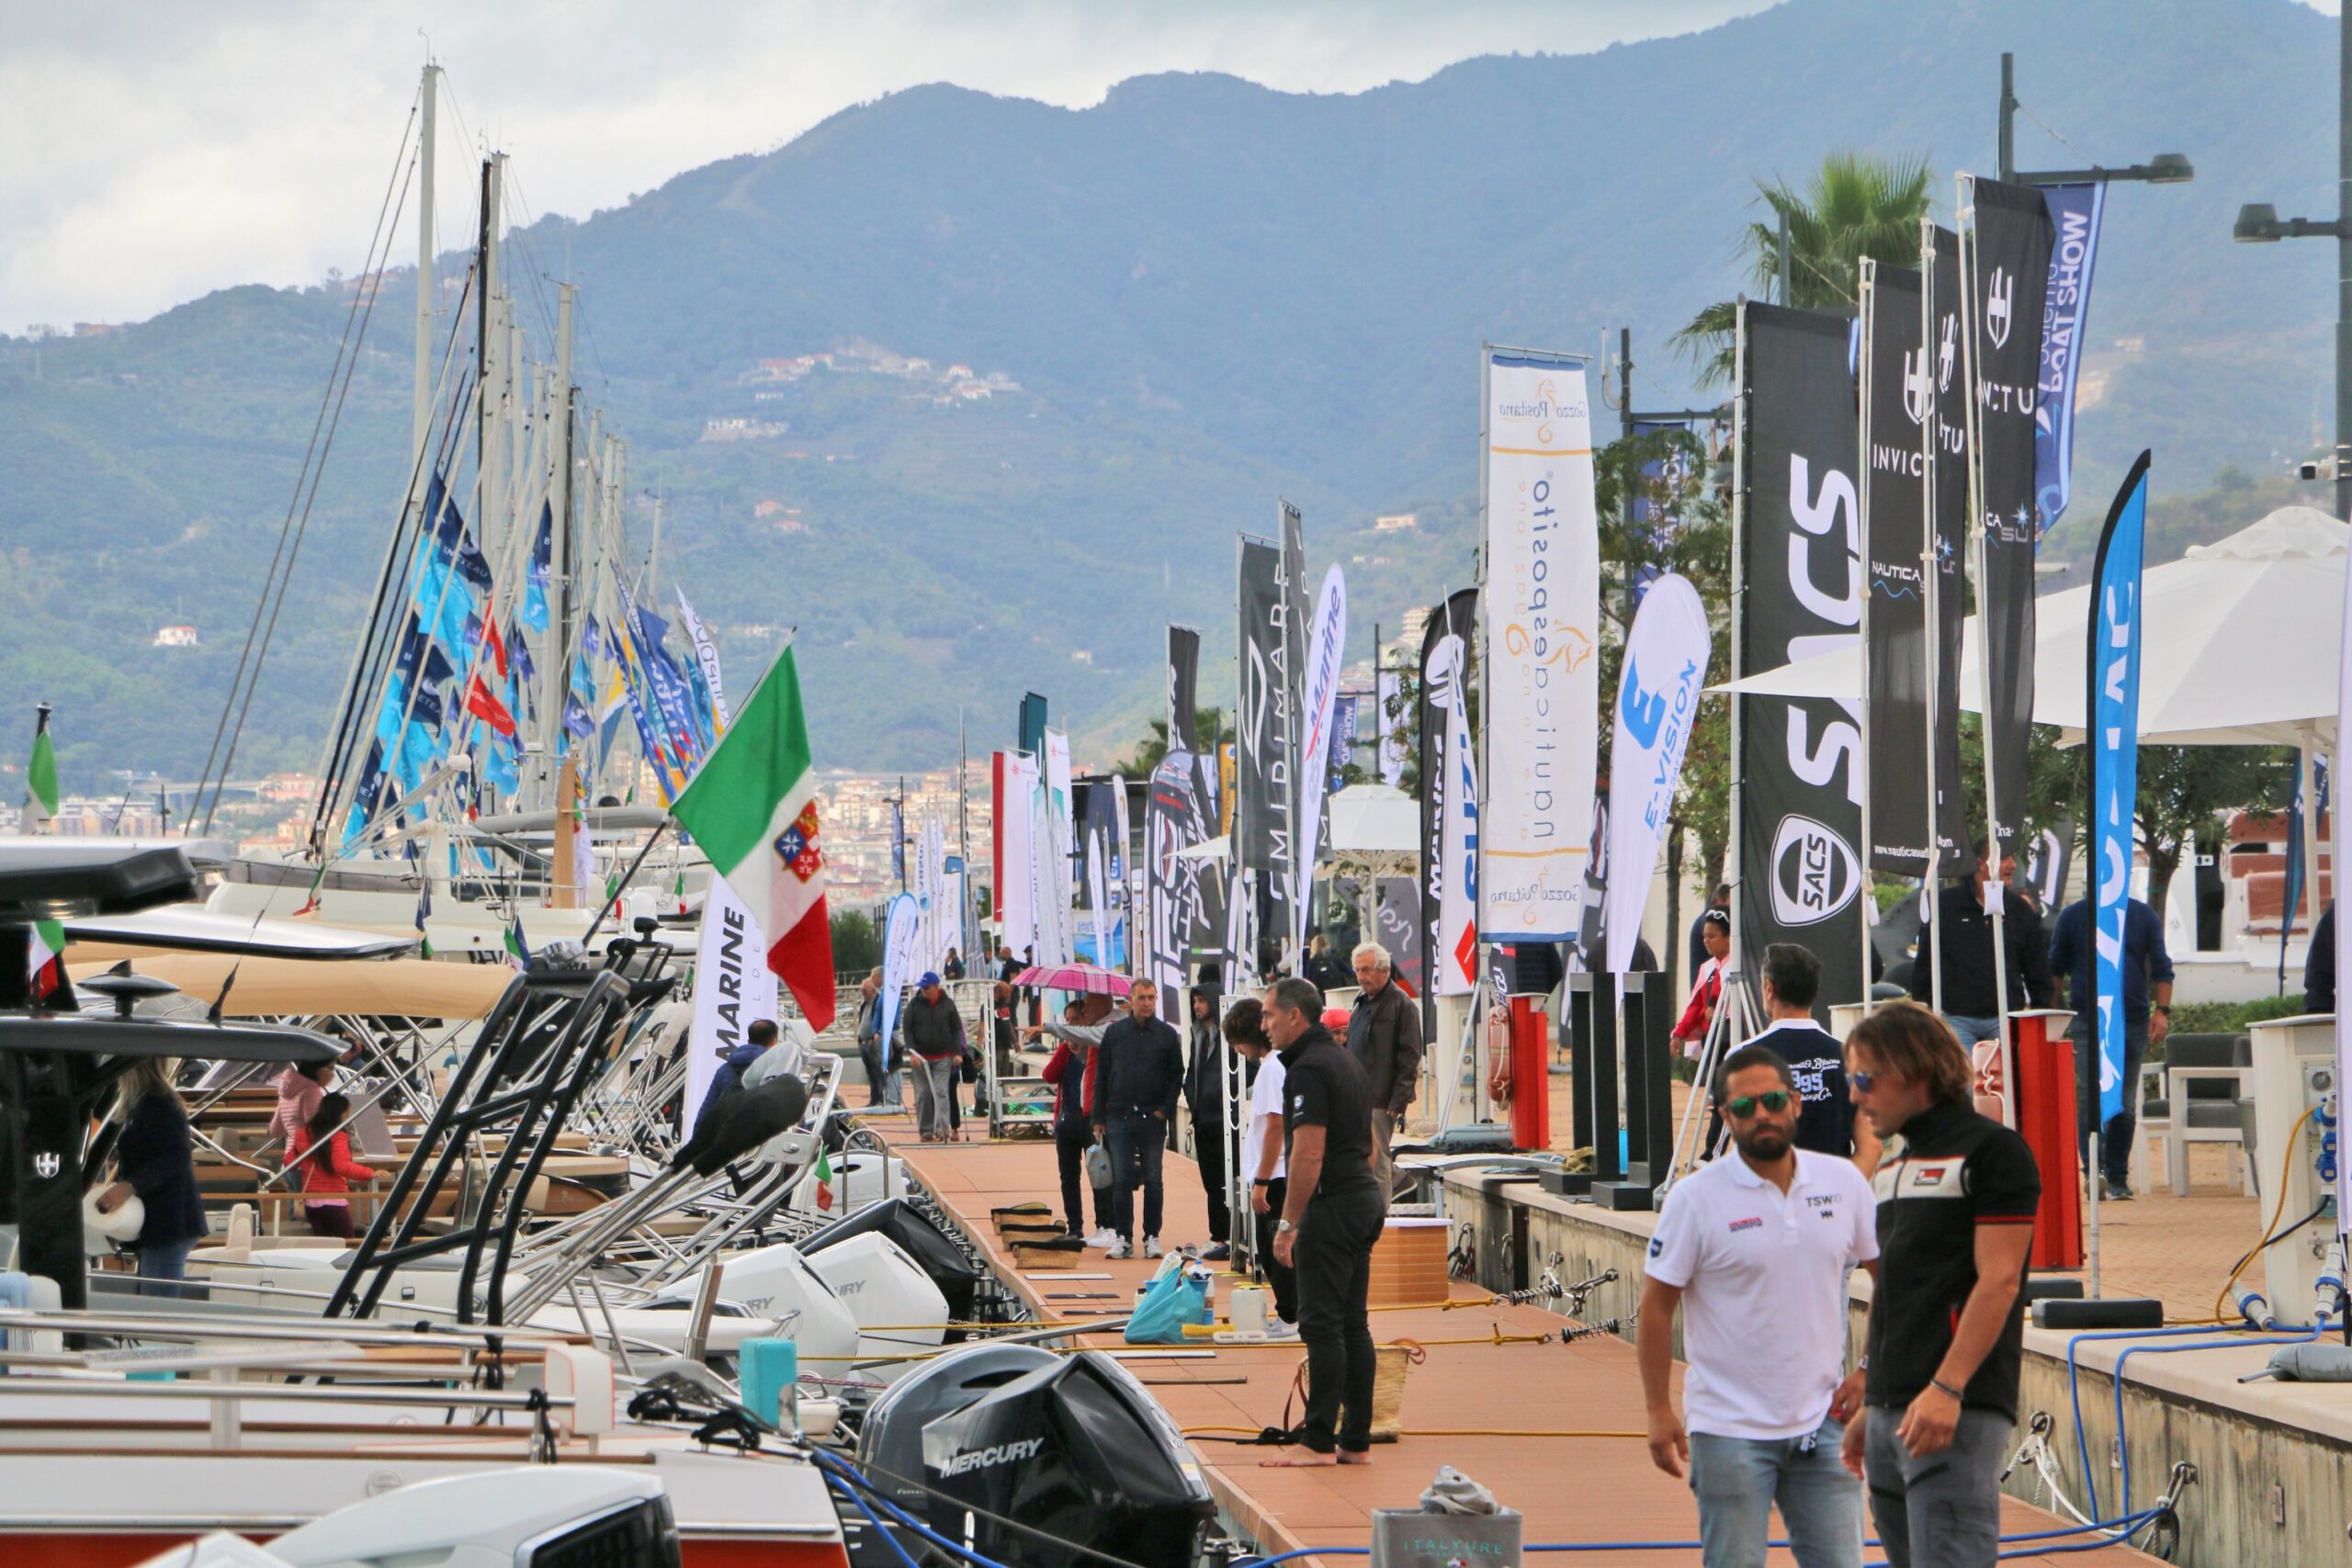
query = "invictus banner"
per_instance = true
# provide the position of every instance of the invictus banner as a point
(2006, 275)
(1541, 685)
(1442, 678)
(1797, 554)
(1947, 532)
(1263, 775)
(1183, 688)
(1895, 537)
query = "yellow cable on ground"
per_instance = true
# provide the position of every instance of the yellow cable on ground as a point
(2271, 1226)
(1454, 1432)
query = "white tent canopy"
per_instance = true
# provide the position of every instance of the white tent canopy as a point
(2244, 637)
(1374, 818)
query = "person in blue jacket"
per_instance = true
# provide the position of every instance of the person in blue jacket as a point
(156, 1158)
(732, 1066)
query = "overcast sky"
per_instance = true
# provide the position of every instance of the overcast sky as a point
(150, 152)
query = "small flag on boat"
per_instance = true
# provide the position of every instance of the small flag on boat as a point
(41, 777)
(518, 950)
(754, 810)
(824, 1179)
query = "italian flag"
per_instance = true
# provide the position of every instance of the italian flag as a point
(41, 804)
(753, 809)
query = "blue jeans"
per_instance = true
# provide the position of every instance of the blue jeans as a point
(1737, 1479)
(1974, 1030)
(161, 1268)
(1137, 1141)
(2115, 1138)
(1942, 1510)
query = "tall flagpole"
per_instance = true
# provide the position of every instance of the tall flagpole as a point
(1931, 602)
(1869, 307)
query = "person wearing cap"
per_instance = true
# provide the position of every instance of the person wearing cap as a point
(934, 1032)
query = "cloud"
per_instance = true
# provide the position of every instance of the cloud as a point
(161, 151)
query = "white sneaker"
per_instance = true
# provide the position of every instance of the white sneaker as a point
(1151, 1247)
(1104, 1238)
(1281, 1328)
(1119, 1249)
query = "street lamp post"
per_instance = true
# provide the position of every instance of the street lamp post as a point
(2164, 169)
(2259, 223)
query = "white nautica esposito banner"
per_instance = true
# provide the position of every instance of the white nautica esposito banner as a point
(1540, 690)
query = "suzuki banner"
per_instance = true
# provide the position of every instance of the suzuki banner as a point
(1326, 645)
(2117, 635)
(1657, 697)
(2006, 270)
(1542, 690)
(734, 987)
(1797, 767)
(2075, 212)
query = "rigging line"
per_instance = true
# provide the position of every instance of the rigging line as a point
(2055, 136)
(343, 350)
(301, 531)
(393, 572)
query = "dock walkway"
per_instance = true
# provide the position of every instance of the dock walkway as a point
(1555, 1430)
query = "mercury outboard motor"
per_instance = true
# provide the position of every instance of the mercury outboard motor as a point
(1076, 1449)
(890, 1443)
(920, 1239)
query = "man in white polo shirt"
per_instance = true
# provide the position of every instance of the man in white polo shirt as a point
(1758, 1251)
(1262, 1154)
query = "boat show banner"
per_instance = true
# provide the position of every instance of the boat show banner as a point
(2007, 272)
(1541, 686)
(1657, 696)
(1444, 685)
(734, 987)
(1326, 645)
(1948, 533)
(1183, 688)
(2116, 633)
(1894, 520)
(1263, 774)
(2075, 212)
(1799, 761)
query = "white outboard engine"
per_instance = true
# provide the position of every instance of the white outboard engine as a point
(776, 1282)
(900, 1311)
(920, 1239)
(861, 1178)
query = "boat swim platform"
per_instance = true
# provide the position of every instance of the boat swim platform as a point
(1523, 1417)
(2273, 1459)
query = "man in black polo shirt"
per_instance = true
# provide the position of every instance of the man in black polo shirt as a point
(1332, 1215)
(1825, 1120)
(1955, 1222)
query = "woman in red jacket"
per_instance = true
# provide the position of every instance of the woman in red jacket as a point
(323, 1152)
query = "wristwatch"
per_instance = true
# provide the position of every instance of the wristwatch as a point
(1284, 1225)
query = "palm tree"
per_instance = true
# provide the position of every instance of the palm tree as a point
(1856, 206)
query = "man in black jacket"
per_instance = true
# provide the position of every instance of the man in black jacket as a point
(1136, 1087)
(1385, 1037)
(1972, 999)
(1205, 1093)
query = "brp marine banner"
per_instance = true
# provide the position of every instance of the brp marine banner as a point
(1013, 777)
(902, 964)
(1948, 461)
(1541, 687)
(1343, 740)
(1183, 688)
(1797, 560)
(1326, 645)
(1454, 960)
(1263, 778)
(1666, 665)
(1175, 818)
(1894, 409)
(2117, 632)
(734, 987)
(2005, 270)
(2075, 212)
(1453, 623)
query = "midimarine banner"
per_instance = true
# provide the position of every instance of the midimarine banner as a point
(1541, 685)
(1797, 555)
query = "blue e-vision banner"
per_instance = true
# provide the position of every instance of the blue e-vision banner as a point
(2117, 634)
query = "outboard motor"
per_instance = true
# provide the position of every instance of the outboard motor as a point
(1078, 1449)
(930, 1248)
(776, 1282)
(900, 1311)
(890, 1443)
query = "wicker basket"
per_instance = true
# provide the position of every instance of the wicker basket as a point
(1391, 1363)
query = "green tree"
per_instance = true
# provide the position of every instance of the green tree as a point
(1856, 206)
(856, 947)
(1152, 750)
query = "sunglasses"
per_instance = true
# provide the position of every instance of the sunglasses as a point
(1774, 1100)
(1859, 1079)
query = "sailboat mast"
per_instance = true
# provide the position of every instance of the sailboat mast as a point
(426, 281)
(488, 335)
(555, 653)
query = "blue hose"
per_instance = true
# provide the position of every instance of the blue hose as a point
(853, 1496)
(2122, 1448)
(841, 1469)
(2074, 1395)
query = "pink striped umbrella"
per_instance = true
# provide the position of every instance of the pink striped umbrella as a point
(1074, 977)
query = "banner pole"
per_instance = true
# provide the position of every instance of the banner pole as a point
(1734, 873)
(1476, 647)
(1931, 602)
(1865, 483)
(1982, 556)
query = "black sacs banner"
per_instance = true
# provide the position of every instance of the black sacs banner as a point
(1457, 617)
(1799, 765)
(2008, 279)
(1948, 527)
(1183, 688)
(1261, 766)
(1894, 383)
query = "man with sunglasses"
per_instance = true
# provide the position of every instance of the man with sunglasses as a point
(1758, 1251)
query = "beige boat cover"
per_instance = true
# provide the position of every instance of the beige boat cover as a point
(280, 987)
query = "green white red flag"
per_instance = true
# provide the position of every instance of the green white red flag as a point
(47, 964)
(752, 807)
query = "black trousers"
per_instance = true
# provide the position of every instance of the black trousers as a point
(1072, 1138)
(1335, 1241)
(1137, 1141)
(1209, 1153)
(1282, 1279)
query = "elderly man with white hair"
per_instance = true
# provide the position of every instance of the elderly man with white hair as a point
(1385, 1037)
